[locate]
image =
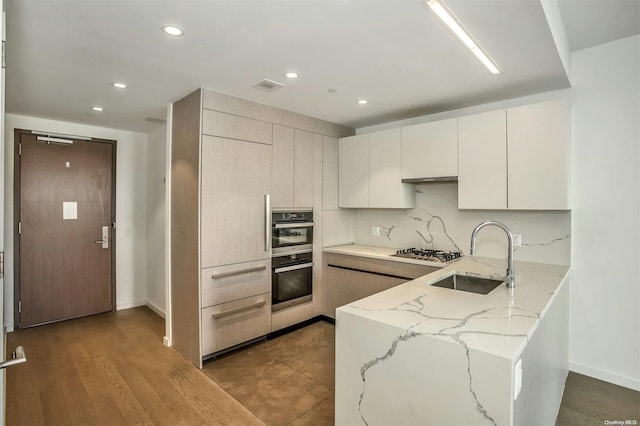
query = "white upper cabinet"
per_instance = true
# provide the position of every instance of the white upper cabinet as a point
(482, 161)
(370, 172)
(386, 189)
(430, 150)
(539, 138)
(353, 178)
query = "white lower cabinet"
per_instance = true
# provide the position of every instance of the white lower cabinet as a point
(233, 323)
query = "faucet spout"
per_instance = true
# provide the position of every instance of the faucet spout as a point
(510, 278)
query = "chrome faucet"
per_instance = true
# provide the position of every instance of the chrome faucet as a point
(510, 278)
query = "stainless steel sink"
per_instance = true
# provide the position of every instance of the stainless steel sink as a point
(468, 283)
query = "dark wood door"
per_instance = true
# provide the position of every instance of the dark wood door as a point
(64, 199)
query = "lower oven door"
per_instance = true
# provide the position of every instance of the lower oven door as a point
(291, 284)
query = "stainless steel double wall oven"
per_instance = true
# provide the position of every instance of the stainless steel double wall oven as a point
(292, 257)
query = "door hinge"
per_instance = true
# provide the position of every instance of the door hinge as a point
(19, 228)
(1, 264)
(4, 43)
(19, 306)
(20, 148)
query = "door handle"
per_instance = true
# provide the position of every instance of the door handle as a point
(105, 238)
(18, 357)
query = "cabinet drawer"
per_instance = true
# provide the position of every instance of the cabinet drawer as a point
(232, 282)
(230, 324)
(235, 127)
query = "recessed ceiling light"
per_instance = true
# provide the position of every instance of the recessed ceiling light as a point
(451, 22)
(172, 30)
(120, 85)
(292, 75)
(97, 108)
(363, 101)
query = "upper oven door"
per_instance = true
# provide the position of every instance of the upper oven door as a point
(291, 236)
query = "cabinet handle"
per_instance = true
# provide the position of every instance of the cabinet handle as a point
(240, 272)
(18, 358)
(238, 309)
(267, 222)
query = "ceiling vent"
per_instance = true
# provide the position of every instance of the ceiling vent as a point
(268, 85)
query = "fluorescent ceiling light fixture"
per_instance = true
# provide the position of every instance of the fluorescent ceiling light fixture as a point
(97, 108)
(292, 75)
(363, 101)
(120, 85)
(172, 30)
(448, 19)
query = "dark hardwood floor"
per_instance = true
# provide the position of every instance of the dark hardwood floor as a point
(112, 369)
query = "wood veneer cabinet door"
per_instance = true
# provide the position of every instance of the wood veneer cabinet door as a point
(236, 177)
(283, 166)
(303, 169)
(344, 286)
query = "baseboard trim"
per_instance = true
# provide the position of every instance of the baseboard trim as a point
(155, 308)
(8, 328)
(130, 305)
(607, 376)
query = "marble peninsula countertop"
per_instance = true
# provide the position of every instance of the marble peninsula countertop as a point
(499, 323)
(381, 253)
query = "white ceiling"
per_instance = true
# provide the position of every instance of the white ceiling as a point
(62, 55)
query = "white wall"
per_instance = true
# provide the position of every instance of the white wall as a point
(131, 205)
(605, 297)
(156, 222)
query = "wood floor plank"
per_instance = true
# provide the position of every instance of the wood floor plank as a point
(112, 369)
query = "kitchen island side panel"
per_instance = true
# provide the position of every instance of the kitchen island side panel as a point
(388, 375)
(185, 268)
(545, 364)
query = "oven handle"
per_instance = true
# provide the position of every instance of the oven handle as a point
(293, 268)
(292, 225)
(267, 222)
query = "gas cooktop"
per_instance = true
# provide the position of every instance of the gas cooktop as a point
(428, 254)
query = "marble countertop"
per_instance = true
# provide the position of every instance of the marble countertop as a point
(382, 253)
(500, 323)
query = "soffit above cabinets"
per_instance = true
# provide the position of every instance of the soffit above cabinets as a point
(64, 55)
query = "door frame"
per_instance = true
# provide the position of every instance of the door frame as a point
(16, 215)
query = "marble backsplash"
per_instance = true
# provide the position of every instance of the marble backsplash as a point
(437, 223)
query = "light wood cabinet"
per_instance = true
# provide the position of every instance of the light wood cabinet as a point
(221, 173)
(303, 169)
(293, 166)
(482, 161)
(233, 215)
(283, 161)
(370, 167)
(224, 152)
(430, 150)
(349, 278)
(539, 138)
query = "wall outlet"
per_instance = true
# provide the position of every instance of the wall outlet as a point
(517, 240)
(375, 231)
